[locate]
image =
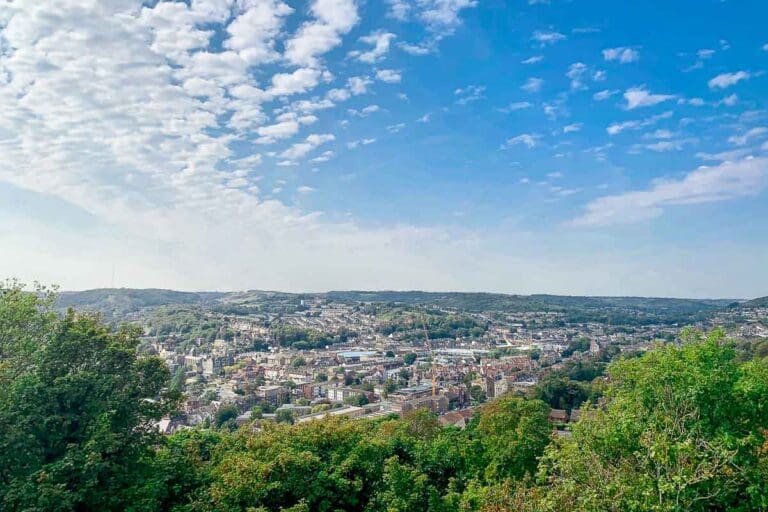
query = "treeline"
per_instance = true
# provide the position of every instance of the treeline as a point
(300, 338)
(680, 428)
(188, 323)
(411, 327)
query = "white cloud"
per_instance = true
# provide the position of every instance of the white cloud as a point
(533, 60)
(725, 80)
(301, 149)
(360, 142)
(741, 140)
(664, 146)
(416, 49)
(281, 130)
(333, 19)
(442, 16)
(301, 80)
(729, 100)
(576, 73)
(380, 41)
(605, 94)
(705, 53)
(358, 84)
(365, 111)
(252, 34)
(545, 37)
(765, 47)
(390, 76)
(729, 180)
(640, 97)
(469, 94)
(519, 105)
(304, 189)
(659, 134)
(323, 157)
(532, 85)
(527, 139)
(394, 128)
(575, 127)
(636, 124)
(399, 9)
(622, 54)
(425, 118)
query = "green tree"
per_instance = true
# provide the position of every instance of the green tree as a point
(285, 416)
(683, 429)
(514, 432)
(409, 358)
(226, 416)
(77, 415)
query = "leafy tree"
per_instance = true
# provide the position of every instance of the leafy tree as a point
(409, 358)
(226, 415)
(683, 429)
(77, 411)
(285, 416)
(478, 395)
(514, 433)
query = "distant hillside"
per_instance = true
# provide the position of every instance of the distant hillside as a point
(118, 302)
(613, 310)
(512, 303)
(760, 302)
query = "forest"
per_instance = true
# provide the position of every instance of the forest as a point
(682, 427)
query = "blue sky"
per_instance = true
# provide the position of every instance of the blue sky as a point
(527, 147)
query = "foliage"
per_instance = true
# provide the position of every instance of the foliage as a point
(306, 339)
(684, 428)
(680, 428)
(76, 412)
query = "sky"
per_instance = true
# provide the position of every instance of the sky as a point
(521, 146)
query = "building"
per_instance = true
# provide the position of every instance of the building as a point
(272, 394)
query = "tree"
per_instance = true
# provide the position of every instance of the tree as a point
(514, 432)
(409, 358)
(478, 395)
(77, 413)
(358, 399)
(226, 415)
(285, 416)
(683, 428)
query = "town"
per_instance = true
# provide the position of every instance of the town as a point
(257, 356)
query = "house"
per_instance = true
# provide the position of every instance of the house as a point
(456, 418)
(272, 394)
(558, 416)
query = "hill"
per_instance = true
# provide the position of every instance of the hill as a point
(760, 302)
(118, 302)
